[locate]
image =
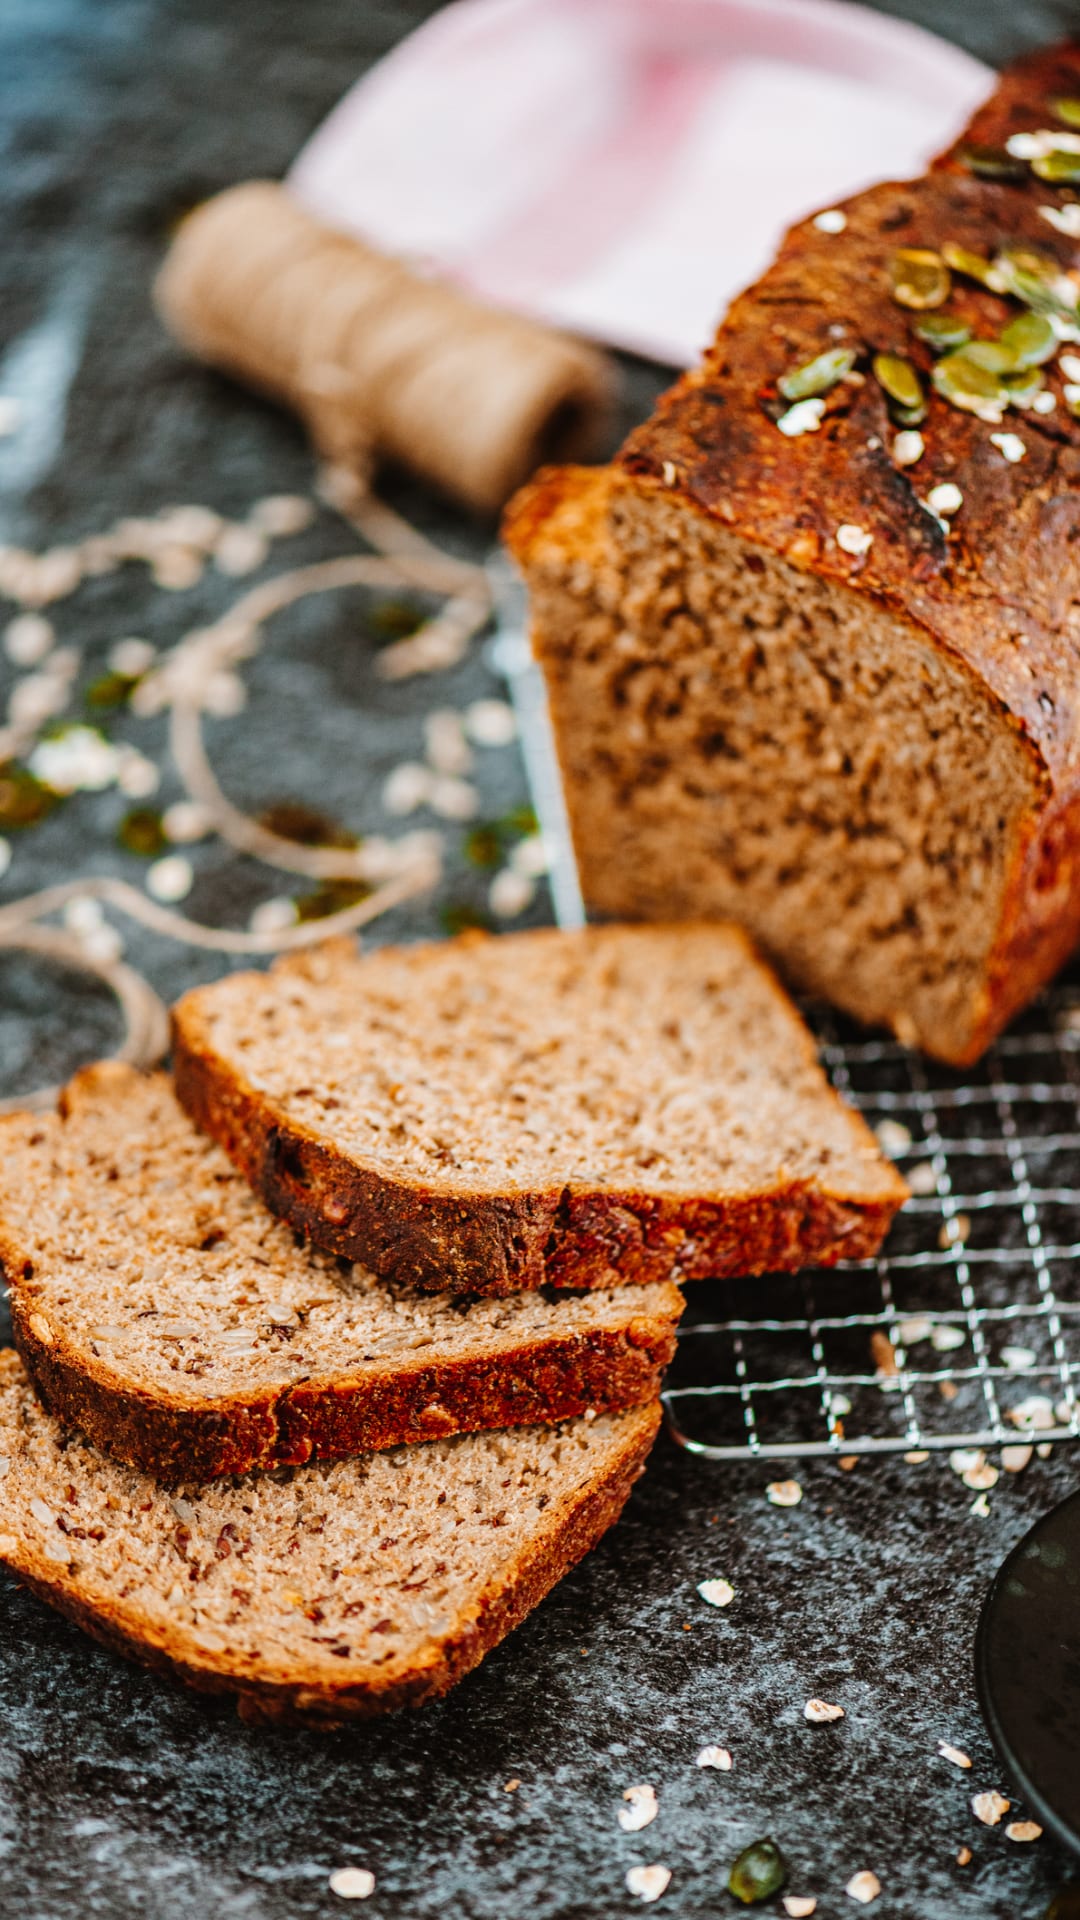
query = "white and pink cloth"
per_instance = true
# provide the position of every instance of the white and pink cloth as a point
(620, 168)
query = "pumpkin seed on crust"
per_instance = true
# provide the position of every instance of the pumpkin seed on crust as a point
(1031, 339)
(818, 375)
(991, 163)
(1067, 111)
(942, 332)
(973, 388)
(1024, 386)
(919, 278)
(898, 379)
(971, 265)
(1059, 168)
(1036, 279)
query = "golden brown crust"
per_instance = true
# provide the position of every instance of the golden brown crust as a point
(288, 1696)
(503, 1243)
(999, 592)
(539, 1383)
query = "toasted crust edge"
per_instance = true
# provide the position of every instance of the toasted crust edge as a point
(287, 1698)
(536, 1383)
(504, 1243)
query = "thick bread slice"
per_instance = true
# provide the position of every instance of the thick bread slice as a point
(562, 1109)
(344, 1588)
(161, 1309)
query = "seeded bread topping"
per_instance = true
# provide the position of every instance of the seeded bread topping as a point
(813, 643)
(159, 1306)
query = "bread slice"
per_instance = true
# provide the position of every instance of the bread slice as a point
(347, 1587)
(161, 1309)
(822, 675)
(560, 1109)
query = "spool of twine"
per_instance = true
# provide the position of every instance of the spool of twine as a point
(377, 360)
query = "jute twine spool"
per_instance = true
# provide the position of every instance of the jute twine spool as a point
(378, 361)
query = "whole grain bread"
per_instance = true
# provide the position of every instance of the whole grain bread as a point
(792, 682)
(559, 1109)
(160, 1308)
(319, 1593)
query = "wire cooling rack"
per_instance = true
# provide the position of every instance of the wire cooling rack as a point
(965, 1332)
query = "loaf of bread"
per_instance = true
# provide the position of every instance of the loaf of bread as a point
(812, 643)
(543, 1109)
(319, 1593)
(158, 1306)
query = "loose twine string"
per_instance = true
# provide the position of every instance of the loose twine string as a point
(379, 362)
(398, 871)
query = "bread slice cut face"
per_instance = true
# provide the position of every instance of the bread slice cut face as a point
(542, 1109)
(162, 1309)
(343, 1588)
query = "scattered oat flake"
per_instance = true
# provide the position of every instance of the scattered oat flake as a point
(863, 1887)
(1019, 1359)
(641, 1809)
(945, 498)
(953, 1231)
(648, 1882)
(1022, 1830)
(717, 1757)
(922, 1179)
(980, 1507)
(829, 220)
(170, 879)
(883, 1353)
(963, 1856)
(948, 1389)
(1066, 219)
(718, 1593)
(1010, 446)
(490, 723)
(965, 1459)
(956, 1754)
(1015, 1459)
(820, 1713)
(783, 1493)
(990, 1807)
(512, 1786)
(908, 447)
(352, 1883)
(946, 1338)
(799, 1906)
(916, 1329)
(980, 1479)
(916, 1457)
(892, 1136)
(847, 1462)
(804, 417)
(511, 893)
(853, 539)
(1036, 1414)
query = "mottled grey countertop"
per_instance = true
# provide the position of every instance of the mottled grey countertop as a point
(119, 1795)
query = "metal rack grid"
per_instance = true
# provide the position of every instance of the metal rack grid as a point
(965, 1332)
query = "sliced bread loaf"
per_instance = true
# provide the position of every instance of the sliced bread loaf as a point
(347, 1587)
(162, 1309)
(823, 676)
(563, 1109)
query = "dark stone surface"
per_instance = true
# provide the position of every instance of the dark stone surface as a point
(119, 1796)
